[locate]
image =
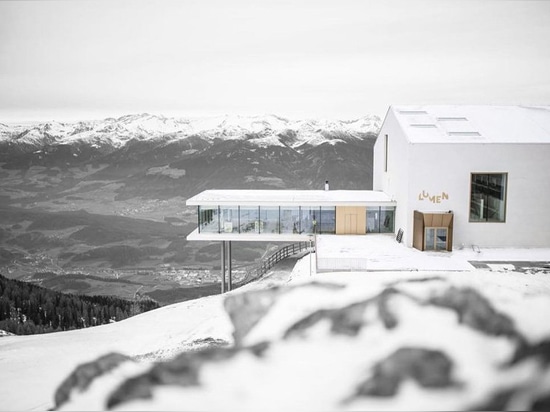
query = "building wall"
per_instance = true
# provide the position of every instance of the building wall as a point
(439, 180)
(435, 177)
(394, 181)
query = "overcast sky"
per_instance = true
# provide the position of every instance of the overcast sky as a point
(83, 59)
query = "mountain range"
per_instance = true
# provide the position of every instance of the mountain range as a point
(264, 130)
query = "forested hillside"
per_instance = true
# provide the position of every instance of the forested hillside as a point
(28, 309)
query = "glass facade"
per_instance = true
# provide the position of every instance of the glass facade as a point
(267, 220)
(488, 197)
(229, 219)
(286, 219)
(208, 219)
(308, 219)
(290, 220)
(249, 220)
(380, 219)
(327, 222)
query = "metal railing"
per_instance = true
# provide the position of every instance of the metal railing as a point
(267, 263)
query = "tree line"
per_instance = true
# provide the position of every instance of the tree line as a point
(27, 309)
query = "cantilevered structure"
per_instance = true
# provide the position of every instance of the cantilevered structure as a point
(287, 216)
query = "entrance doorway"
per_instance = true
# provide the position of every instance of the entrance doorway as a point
(435, 238)
(433, 231)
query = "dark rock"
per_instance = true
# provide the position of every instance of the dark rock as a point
(474, 310)
(247, 309)
(344, 321)
(388, 318)
(181, 371)
(541, 404)
(84, 374)
(430, 368)
(350, 319)
(541, 350)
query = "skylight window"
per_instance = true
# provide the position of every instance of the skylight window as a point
(464, 134)
(413, 112)
(452, 119)
(424, 126)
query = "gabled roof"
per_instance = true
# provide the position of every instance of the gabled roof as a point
(474, 124)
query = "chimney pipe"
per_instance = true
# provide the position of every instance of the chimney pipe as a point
(326, 185)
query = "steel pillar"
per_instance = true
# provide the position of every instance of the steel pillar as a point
(229, 276)
(223, 267)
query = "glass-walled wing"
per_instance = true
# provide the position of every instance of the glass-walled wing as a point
(285, 219)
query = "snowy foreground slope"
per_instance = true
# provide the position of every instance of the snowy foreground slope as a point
(341, 341)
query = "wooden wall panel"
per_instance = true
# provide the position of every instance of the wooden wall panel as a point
(351, 220)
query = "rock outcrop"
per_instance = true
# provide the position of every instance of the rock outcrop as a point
(406, 345)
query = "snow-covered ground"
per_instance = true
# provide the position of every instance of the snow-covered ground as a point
(32, 367)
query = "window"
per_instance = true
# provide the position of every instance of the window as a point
(229, 219)
(208, 219)
(248, 220)
(327, 219)
(386, 153)
(488, 197)
(309, 219)
(290, 220)
(380, 219)
(435, 238)
(269, 219)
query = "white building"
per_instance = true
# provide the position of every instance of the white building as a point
(467, 175)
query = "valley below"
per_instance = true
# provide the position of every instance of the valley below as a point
(100, 209)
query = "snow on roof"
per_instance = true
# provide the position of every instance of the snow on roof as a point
(290, 198)
(474, 124)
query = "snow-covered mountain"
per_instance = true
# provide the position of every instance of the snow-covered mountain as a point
(265, 130)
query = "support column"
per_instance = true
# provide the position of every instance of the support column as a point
(229, 275)
(222, 268)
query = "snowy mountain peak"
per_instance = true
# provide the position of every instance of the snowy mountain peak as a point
(117, 132)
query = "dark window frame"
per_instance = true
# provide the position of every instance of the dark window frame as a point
(486, 206)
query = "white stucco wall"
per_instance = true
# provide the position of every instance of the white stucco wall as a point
(395, 181)
(447, 168)
(444, 170)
